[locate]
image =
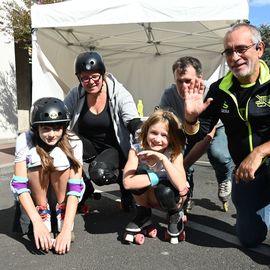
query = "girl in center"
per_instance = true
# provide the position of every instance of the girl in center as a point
(155, 173)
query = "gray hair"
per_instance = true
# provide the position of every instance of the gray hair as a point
(256, 36)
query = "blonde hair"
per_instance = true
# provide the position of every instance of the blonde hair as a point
(176, 135)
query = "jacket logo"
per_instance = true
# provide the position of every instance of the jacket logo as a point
(225, 108)
(262, 101)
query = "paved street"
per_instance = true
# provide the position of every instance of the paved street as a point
(210, 242)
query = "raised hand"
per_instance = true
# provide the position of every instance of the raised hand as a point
(193, 100)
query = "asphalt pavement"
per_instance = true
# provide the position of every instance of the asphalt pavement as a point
(210, 238)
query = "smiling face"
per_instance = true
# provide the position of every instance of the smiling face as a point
(157, 137)
(50, 134)
(91, 81)
(245, 66)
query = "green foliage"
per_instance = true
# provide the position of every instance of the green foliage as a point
(16, 20)
(265, 31)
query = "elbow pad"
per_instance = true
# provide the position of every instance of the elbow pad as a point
(134, 125)
(76, 187)
(19, 185)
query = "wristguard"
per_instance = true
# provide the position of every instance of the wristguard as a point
(76, 187)
(19, 185)
(153, 177)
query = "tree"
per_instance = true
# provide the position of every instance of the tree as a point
(15, 19)
(265, 31)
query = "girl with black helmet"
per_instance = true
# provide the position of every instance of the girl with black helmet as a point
(104, 116)
(47, 155)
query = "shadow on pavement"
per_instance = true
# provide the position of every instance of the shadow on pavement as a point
(200, 238)
(6, 227)
(207, 204)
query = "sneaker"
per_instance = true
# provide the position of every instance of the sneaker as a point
(60, 215)
(45, 214)
(224, 190)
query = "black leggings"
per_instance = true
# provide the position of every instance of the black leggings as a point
(112, 156)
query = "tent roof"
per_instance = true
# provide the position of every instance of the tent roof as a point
(139, 40)
(81, 12)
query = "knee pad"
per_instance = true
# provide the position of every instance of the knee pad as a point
(166, 197)
(102, 173)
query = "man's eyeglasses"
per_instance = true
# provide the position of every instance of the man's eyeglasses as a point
(86, 79)
(239, 50)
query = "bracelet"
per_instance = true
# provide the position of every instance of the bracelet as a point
(192, 122)
(197, 126)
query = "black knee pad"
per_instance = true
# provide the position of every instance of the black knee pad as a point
(166, 197)
(102, 173)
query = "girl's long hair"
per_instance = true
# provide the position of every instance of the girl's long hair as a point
(43, 151)
(176, 136)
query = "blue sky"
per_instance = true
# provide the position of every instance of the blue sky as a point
(259, 12)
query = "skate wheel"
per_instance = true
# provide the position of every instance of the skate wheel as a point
(128, 237)
(174, 240)
(182, 236)
(152, 232)
(139, 239)
(226, 206)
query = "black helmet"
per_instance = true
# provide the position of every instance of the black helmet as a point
(49, 110)
(89, 61)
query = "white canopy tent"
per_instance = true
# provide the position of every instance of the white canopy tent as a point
(138, 39)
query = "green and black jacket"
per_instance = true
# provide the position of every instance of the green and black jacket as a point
(246, 128)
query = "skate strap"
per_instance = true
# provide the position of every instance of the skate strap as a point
(76, 187)
(153, 177)
(19, 185)
(43, 210)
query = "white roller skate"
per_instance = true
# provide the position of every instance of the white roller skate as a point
(175, 231)
(224, 192)
(140, 227)
(60, 215)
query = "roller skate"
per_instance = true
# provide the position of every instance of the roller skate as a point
(60, 215)
(45, 214)
(140, 227)
(224, 192)
(175, 231)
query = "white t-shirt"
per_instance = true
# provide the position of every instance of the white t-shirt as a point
(26, 151)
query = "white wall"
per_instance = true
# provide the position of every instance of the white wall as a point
(8, 92)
